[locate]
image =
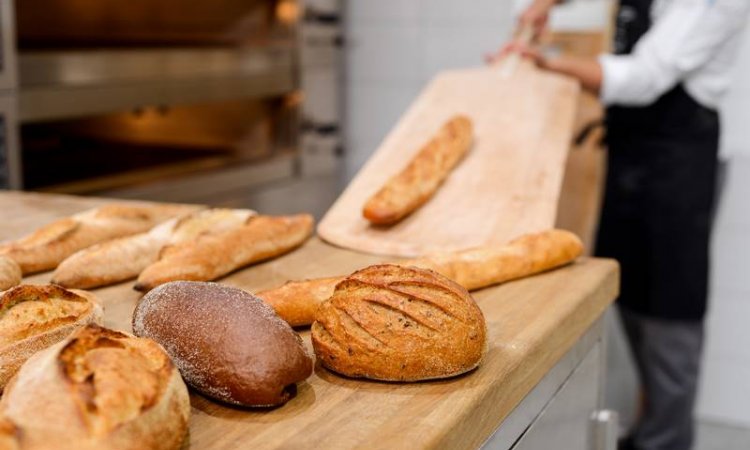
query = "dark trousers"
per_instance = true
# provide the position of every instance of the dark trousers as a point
(667, 355)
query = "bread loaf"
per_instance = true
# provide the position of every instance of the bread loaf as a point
(98, 389)
(46, 247)
(228, 344)
(10, 273)
(124, 258)
(476, 268)
(397, 323)
(33, 318)
(421, 178)
(212, 255)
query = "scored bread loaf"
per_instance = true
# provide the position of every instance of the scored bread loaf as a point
(421, 178)
(35, 317)
(10, 273)
(476, 268)
(227, 343)
(46, 247)
(397, 323)
(97, 389)
(124, 258)
(212, 255)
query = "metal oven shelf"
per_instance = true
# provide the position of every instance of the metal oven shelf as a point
(73, 83)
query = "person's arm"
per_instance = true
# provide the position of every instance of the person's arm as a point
(684, 38)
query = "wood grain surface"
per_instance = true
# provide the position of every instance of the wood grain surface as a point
(531, 322)
(507, 185)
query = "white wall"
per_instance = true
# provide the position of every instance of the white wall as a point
(395, 46)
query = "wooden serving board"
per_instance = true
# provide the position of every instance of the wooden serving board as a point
(532, 323)
(507, 185)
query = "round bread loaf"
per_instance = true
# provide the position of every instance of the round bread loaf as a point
(98, 389)
(396, 323)
(227, 343)
(34, 317)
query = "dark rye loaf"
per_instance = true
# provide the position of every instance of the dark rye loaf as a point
(227, 343)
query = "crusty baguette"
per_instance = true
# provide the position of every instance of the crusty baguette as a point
(421, 178)
(98, 389)
(46, 247)
(476, 268)
(10, 273)
(396, 323)
(124, 258)
(33, 318)
(212, 255)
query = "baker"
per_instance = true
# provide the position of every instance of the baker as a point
(661, 86)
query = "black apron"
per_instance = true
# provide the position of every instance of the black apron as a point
(659, 193)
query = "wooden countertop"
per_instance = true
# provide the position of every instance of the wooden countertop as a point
(532, 323)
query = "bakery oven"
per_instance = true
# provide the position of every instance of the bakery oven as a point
(163, 99)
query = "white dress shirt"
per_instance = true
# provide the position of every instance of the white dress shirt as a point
(690, 41)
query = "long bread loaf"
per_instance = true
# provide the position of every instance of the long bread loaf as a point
(46, 247)
(124, 258)
(10, 273)
(476, 268)
(212, 255)
(421, 178)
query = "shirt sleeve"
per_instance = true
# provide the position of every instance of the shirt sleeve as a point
(686, 36)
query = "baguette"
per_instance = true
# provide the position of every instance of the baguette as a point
(212, 255)
(124, 258)
(476, 268)
(397, 323)
(10, 273)
(33, 318)
(99, 389)
(420, 179)
(46, 247)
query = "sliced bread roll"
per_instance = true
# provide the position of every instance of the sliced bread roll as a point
(48, 246)
(212, 255)
(98, 389)
(396, 323)
(124, 258)
(33, 318)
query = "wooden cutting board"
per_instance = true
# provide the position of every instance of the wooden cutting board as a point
(507, 185)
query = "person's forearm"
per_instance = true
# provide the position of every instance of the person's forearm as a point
(586, 70)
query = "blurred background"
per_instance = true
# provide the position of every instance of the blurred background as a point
(275, 105)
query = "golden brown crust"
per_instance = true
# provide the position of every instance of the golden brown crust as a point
(285, 299)
(526, 255)
(421, 178)
(98, 389)
(473, 269)
(213, 255)
(397, 323)
(10, 273)
(46, 247)
(124, 258)
(35, 317)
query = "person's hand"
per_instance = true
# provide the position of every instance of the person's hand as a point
(526, 51)
(535, 17)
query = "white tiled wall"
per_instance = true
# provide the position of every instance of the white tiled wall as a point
(395, 46)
